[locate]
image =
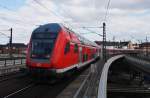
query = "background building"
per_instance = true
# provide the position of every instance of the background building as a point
(121, 45)
(17, 48)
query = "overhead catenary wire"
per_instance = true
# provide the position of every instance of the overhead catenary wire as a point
(66, 23)
(64, 10)
(91, 31)
(16, 21)
(3, 30)
(4, 35)
(58, 15)
(41, 4)
(20, 20)
(2, 6)
(107, 10)
(50, 11)
(12, 20)
(105, 16)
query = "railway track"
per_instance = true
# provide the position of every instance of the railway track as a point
(130, 92)
(18, 91)
(11, 75)
(38, 91)
(126, 80)
(13, 84)
(25, 87)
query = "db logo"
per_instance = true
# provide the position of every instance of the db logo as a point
(38, 64)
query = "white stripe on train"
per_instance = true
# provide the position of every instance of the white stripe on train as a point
(74, 66)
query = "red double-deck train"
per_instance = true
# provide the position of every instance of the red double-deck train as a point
(53, 48)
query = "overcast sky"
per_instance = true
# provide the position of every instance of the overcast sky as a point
(127, 19)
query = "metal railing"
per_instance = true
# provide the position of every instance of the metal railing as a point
(12, 61)
(8, 65)
(102, 90)
(140, 57)
(89, 87)
(96, 79)
(10, 69)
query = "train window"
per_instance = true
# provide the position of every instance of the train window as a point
(44, 35)
(85, 57)
(41, 49)
(67, 48)
(76, 48)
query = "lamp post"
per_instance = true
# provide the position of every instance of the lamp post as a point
(10, 43)
(146, 46)
(104, 42)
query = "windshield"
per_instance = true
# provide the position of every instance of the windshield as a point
(44, 35)
(42, 45)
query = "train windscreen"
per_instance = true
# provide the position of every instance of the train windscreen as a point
(42, 45)
(44, 35)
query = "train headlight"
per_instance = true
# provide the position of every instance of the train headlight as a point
(38, 64)
(47, 56)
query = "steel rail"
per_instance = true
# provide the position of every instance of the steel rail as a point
(83, 87)
(19, 91)
(8, 77)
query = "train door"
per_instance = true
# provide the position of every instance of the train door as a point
(80, 54)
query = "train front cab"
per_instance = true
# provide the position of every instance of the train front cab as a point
(41, 49)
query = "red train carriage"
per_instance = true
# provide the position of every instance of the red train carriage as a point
(54, 48)
(122, 51)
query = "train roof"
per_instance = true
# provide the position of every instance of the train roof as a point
(51, 27)
(56, 27)
(86, 41)
(83, 40)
